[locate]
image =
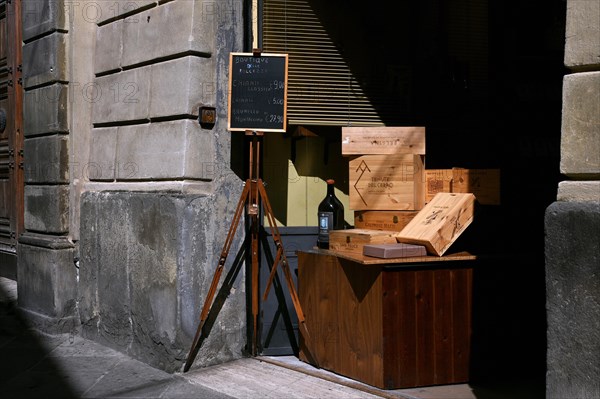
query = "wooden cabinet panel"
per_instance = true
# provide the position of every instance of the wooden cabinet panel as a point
(389, 326)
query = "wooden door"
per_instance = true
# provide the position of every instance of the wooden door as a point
(11, 131)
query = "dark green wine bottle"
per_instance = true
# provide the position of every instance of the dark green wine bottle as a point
(330, 215)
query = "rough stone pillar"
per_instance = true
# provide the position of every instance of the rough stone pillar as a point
(46, 272)
(573, 222)
(160, 194)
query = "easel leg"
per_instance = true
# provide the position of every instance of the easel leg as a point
(253, 191)
(286, 270)
(217, 276)
(255, 298)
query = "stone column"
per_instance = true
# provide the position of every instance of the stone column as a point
(573, 221)
(46, 272)
(160, 195)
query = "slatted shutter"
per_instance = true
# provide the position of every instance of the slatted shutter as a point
(321, 87)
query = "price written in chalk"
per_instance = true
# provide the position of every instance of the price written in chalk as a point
(258, 92)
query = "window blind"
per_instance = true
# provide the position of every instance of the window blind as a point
(321, 87)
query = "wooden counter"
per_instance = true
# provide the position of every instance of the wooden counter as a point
(390, 323)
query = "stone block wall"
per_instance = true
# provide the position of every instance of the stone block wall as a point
(144, 279)
(127, 199)
(155, 66)
(160, 194)
(573, 222)
(46, 271)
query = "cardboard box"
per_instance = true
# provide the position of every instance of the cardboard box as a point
(397, 250)
(383, 140)
(483, 183)
(387, 182)
(440, 222)
(352, 240)
(383, 220)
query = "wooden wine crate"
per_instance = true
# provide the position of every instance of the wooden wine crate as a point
(440, 222)
(383, 220)
(437, 181)
(379, 140)
(387, 182)
(483, 183)
(352, 240)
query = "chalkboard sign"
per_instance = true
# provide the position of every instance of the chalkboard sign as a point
(257, 92)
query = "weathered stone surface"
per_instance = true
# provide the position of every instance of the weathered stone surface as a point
(580, 139)
(46, 110)
(573, 300)
(98, 12)
(167, 150)
(47, 281)
(123, 96)
(45, 60)
(172, 88)
(42, 16)
(180, 86)
(47, 159)
(47, 208)
(172, 28)
(582, 37)
(109, 48)
(231, 38)
(147, 261)
(579, 191)
(103, 152)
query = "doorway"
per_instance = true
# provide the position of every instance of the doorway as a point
(11, 136)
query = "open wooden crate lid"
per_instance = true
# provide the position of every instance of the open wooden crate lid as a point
(440, 222)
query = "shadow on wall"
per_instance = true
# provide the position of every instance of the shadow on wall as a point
(26, 370)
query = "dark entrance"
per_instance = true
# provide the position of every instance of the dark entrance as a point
(11, 136)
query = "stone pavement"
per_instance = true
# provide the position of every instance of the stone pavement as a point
(35, 365)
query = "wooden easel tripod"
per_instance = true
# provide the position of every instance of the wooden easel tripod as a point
(252, 194)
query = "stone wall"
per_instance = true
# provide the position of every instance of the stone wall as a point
(160, 195)
(128, 200)
(46, 268)
(147, 262)
(573, 222)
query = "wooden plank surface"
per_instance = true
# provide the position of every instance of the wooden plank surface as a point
(399, 313)
(383, 220)
(428, 326)
(437, 181)
(424, 326)
(462, 297)
(483, 183)
(397, 327)
(353, 240)
(443, 333)
(369, 260)
(440, 222)
(360, 343)
(383, 140)
(387, 182)
(348, 342)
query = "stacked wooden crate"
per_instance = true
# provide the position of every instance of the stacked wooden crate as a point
(396, 200)
(483, 183)
(387, 183)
